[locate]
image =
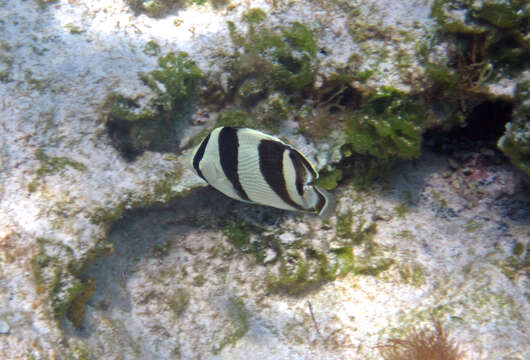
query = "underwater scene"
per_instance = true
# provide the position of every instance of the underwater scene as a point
(265, 179)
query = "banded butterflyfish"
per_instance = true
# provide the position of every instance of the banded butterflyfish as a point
(254, 167)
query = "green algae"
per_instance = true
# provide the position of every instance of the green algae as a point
(405, 234)
(45, 3)
(266, 115)
(56, 274)
(161, 250)
(475, 302)
(372, 266)
(6, 62)
(76, 309)
(106, 215)
(283, 60)
(197, 2)
(323, 115)
(438, 199)
(251, 91)
(344, 262)
(388, 124)
(238, 323)
(239, 233)
(179, 301)
(236, 118)
(73, 29)
(272, 111)
(301, 271)
(445, 79)
(472, 226)
(39, 85)
(52, 165)
(329, 180)
(154, 8)
(287, 65)
(80, 352)
(401, 210)
(515, 142)
(38, 263)
(443, 11)
(369, 258)
(303, 268)
(365, 171)
(152, 48)
(518, 263)
(254, 16)
(518, 249)
(502, 14)
(238, 314)
(363, 76)
(489, 44)
(135, 128)
(162, 8)
(344, 226)
(301, 38)
(353, 228)
(100, 249)
(63, 290)
(491, 30)
(411, 274)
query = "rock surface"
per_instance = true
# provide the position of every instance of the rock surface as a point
(84, 273)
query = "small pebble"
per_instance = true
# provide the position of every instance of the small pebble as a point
(270, 256)
(301, 229)
(453, 164)
(446, 174)
(467, 171)
(287, 238)
(4, 327)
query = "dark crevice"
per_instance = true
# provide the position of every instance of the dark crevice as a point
(338, 95)
(350, 97)
(485, 124)
(131, 139)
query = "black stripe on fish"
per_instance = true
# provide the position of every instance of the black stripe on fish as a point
(228, 154)
(322, 201)
(302, 167)
(271, 167)
(198, 157)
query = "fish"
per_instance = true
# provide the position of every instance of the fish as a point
(254, 167)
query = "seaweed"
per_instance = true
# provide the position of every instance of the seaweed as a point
(388, 124)
(329, 180)
(492, 32)
(155, 126)
(235, 118)
(239, 323)
(421, 345)
(59, 277)
(76, 309)
(515, 142)
(154, 8)
(280, 60)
